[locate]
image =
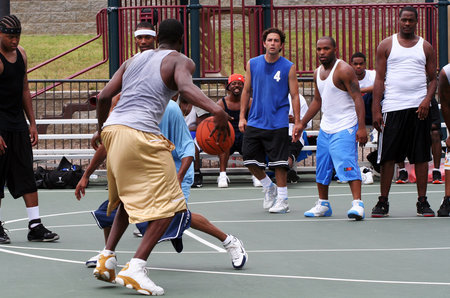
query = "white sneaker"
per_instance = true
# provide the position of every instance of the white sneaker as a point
(321, 209)
(106, 267)
(134, 276)
(236, 250)
(270, 194)
(280, 206)
(137, 233)
(92, 262)
(366, 175)
(256, 182)
(222, 181)
(357, 210)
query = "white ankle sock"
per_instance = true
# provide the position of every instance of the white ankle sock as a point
(227, 240)
(107, 252)
(137, 262)
(282, 192)
(223, 174)
(266, 182)
(33, 213)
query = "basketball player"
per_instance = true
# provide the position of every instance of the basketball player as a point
(338, 96)
(131, 135)
(406, 74)
(269, 78)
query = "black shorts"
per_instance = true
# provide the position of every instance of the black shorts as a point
(16, 165)
(237, 145)
(259, 143)
(295, 149)
(435, 115)
(404, 135)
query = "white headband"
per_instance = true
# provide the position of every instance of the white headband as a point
(144, 32)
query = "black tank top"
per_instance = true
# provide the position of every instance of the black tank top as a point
(11, 88)
(233, 113)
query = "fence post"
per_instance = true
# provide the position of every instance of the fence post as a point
(113, 32)
(4, 8)
(443, 32)
(195, 35)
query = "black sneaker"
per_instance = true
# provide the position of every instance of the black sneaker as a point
(292, 176)
(423, 208)
(437, 179)
(39, 233)
(198, 179)
(381, 209)
(402, 177)
(444, 210)
(372, 158)
(4, 239)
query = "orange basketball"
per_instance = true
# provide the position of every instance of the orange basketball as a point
(211, 144)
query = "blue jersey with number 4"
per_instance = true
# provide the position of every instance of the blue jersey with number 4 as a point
(270, 84)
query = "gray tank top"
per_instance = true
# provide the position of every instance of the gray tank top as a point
(144, 95)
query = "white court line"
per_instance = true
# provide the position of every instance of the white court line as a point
(201, 240)
(250, 274)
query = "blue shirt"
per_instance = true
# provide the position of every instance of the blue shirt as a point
(270, 83)
(174, 128)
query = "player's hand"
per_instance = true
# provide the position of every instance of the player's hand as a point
(81, 186)
(2, 146)
(423, 109)
(96, 140)
(242, 124)
(361, 136)
(33, 135)
(221, 121)
(377, 122)
(297, 132)
(291, 119)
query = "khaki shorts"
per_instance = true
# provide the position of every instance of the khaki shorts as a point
(141, 174)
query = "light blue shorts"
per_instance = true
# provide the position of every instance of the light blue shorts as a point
(338, 151)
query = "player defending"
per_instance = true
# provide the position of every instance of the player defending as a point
(406, 74)
(337, 94)
(444, 96)
(269, 79)
(16, 138)
(136, 147)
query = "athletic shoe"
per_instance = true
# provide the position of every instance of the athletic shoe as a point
(270, 194)
(92, 262)
(321, 209)
(444, 210)
(381, 209)
(366, 176)
(222, 181)
(437, 179)
(357, 210)
(292, 176)
(423, 208)
(280, 206)
(4, 238)
(39, 233)
(256, 182)
(134, 276)
(105, 269)
(198, 179)
(236, 250)
(372, 158)
(402, 177)
(137, 233)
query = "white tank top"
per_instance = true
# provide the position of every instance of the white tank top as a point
(406, 80)
(447, 72)
(144, 94)
(338, 107)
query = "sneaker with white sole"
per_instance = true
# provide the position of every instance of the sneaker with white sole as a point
(134, 276)
(357, 210)
(270, 194)
(106, 267)
(92, 262)
(236, 250)
(366, 176)
(281, 206)
(321, 209)
(256, 182)
(222, 181)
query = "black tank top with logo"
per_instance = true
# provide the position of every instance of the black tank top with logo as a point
(11, 88)
(233, 113)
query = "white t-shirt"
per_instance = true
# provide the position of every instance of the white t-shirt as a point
(368, 80)
(303, 110)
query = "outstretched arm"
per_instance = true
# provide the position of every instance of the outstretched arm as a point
(444, 96)
(96, 161)
(295, 99)
(245, 98)
(430, 68)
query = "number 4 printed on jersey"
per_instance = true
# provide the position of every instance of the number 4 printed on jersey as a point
(277, 76)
